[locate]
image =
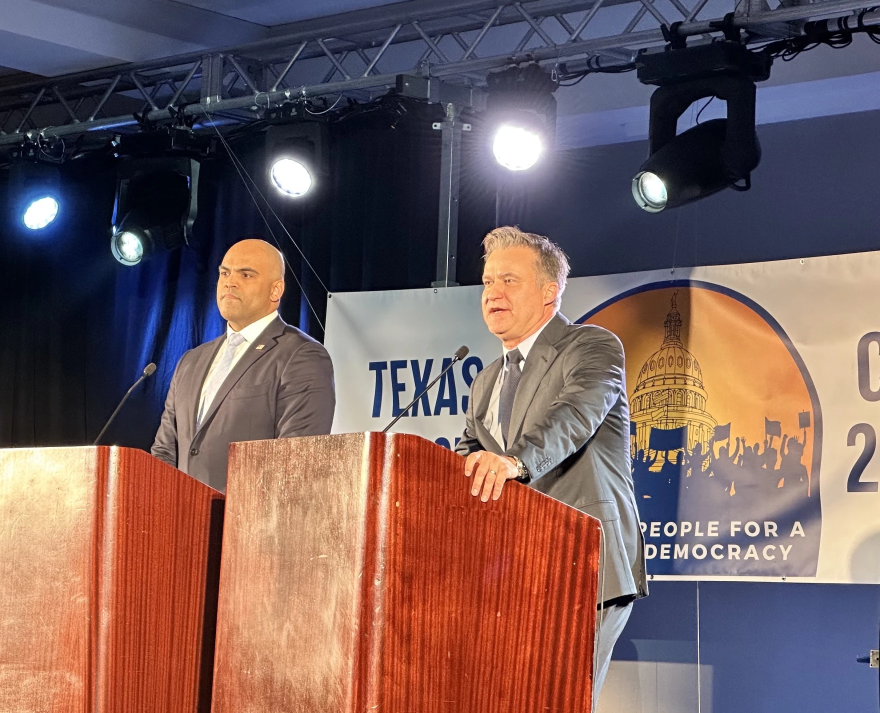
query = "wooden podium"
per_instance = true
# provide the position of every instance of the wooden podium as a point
(360, 575)
(108, 572)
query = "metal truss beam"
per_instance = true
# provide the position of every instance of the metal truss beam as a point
(365, 51)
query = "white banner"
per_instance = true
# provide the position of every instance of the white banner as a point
(754, 393)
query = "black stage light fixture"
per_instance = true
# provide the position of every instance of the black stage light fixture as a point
(34, 191)
(711, 156)
(156, 206)
(297, 152)
(521, 115)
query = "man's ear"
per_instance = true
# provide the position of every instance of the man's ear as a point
(551, 290)
(277, 291)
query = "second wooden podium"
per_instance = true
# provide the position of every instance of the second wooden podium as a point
(360, 575)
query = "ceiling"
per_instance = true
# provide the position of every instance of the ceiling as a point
(54, 37)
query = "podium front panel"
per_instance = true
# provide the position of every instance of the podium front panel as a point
(359, 574)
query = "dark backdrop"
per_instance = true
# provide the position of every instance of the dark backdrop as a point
(79, 327)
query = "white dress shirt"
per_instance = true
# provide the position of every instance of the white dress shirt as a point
(492, 420)
(250, 334)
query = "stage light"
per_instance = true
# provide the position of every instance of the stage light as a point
(520, 116)
(516, 148)
(297, 149)
(711, 156)
(650, 191)
(128, 247)
(40, 212)
(291, 177)
(156, 206)
(34, 187)
(689, 167)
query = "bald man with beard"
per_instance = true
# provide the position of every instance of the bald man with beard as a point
(261, 379)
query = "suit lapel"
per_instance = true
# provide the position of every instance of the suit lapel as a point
(203, 364)
(541, 356)
(266, 341)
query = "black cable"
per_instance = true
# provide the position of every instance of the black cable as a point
(821, 33)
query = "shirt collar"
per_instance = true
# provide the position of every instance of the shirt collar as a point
(254, 329)
(525, 346)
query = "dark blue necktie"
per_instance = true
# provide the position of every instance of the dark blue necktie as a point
(508, 390)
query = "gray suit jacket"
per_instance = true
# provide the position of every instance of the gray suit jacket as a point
(282, 386)
(570, 426)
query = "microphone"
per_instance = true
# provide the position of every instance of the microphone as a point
(148, 371)
(459, 355)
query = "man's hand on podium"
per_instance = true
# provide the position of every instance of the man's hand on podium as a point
(490, 472)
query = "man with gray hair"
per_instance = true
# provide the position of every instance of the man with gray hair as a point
(552, 413)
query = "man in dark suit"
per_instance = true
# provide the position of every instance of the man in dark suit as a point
(262, 379)
(553, 414)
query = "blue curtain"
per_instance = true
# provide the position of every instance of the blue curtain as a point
(77, 328)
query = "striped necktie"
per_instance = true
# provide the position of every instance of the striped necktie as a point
(508, 390)
(218, 376)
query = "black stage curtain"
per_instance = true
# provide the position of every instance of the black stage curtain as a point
(78, 327)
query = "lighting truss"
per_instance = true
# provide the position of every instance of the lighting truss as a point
(457, 41)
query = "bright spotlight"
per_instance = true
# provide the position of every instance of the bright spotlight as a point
(520, 116)
(127, 247)
(40, 212)
(291, 177)
(515, 148)
(649, 191)
(33, 190)
(298, 152)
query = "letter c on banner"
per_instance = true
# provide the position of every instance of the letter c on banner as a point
(864, 366)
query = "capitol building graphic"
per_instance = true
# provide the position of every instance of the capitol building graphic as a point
(670, 394)
(674, 437)
(725, 438)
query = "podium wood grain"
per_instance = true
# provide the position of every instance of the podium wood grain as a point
(359, 574)
(108, 572)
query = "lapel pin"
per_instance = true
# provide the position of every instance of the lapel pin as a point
(259, 346)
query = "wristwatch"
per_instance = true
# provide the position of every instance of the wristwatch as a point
(522, 472)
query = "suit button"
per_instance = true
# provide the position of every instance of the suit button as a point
(194, 451)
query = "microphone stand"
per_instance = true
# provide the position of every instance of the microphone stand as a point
(148, 371)
(459, 355)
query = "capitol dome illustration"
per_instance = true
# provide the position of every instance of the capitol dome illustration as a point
(669, 391)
